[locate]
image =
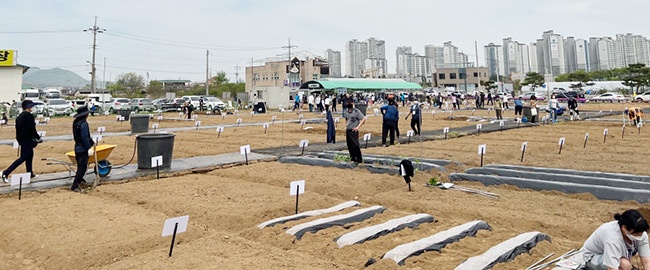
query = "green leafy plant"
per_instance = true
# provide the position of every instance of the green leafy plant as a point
(433, 181)
(453, 134)
(342, 158)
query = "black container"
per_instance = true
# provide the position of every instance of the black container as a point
(139, 123)
(153, 145)
(362, 107)
(126, 113)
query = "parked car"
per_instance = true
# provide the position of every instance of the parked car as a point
(141, 104)
(214, 104)
(57, 106)
(527, 96)
(39, 107)
(172, 105)
(645, 97)
(608, 97)
(195, 100)
(119, 104)
(157, 103)
(76, 104)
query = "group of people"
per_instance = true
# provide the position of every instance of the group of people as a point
(28, 138)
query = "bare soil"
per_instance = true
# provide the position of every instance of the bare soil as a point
(118, 225)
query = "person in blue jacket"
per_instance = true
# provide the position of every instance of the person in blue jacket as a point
(83, 146)
(390, 116)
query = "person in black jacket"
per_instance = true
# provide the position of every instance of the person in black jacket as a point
(27, 138)
(82, 146)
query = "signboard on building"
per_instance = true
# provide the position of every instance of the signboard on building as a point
(7, 58)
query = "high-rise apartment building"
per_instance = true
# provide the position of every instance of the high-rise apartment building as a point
(356, 53)
(581, 55)
(516, 57)
(436, 54)
(494, 60)
(334, 59)
(553, 51)
(412, 66)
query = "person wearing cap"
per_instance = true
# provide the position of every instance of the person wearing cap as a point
(415, 120)
(27, 138)
(390, 116)
(83, 144)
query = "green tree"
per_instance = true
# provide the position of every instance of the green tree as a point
(131, 83)
(220, 79)
(581, 77)
(533, 79)
(155, 89)
(489, 85)
(638, 75)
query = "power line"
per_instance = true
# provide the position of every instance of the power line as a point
(188, 45)
(40, 31)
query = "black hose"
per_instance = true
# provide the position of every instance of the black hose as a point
(135, 145)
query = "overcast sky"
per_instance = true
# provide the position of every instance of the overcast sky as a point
(168, 38)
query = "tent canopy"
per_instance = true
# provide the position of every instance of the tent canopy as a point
(360, 84)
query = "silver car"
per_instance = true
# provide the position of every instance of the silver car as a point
(57, 106)
(142, 104)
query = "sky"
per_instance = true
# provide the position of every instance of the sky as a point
(168, 39)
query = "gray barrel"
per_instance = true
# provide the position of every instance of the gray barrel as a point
(126, 113)
(526, 112)
(139, 123)
(362, 107)
(153, 145)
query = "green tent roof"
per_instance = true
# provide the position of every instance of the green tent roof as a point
(361, 84)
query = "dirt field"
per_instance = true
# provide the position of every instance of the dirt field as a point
(118, 226)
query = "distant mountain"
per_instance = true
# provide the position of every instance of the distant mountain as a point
(56, 77)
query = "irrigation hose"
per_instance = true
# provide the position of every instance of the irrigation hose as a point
(135, 145)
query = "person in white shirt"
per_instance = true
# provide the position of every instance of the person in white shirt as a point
(613, 244)
(553, 106)
(327, 102)
(310, 100)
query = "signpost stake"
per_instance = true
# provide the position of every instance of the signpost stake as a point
(523, 152)
(297, 194)
(20, 189)
(560, 149)
(246, 156)
(171, 248)
(623, 132)
(302, 152)
(157, 169)
(586, 139)
(482, 159)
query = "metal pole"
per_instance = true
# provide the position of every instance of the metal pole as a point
(207, 71)
(104, 77)
(92, 72)
(478, 70)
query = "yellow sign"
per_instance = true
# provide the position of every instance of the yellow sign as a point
(7, 58)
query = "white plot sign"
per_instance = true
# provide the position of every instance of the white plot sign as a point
(170, 224)
(16, 145)
(304, 143)
(410, 133)
(97, 138)
(366, 137)
(481, 149)
(298, 186)
(101, 129)
(42, 133)
(16, 179)
(561, 141)
(245, 149)
(445, 130)
(219, 129)
(524, 145)
(479, 127)
(156, 161)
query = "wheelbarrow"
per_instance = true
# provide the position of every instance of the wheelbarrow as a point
(102, 152)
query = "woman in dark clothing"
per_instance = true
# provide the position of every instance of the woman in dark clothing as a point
(27, 138)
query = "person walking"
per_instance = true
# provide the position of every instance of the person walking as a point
(490, 101)
(310, 101)
(533, 109)
(390, 115)
(327, 103)
(573, 108)
(27, 138)
(498, 107)
(519, 106)
(354, 120)
(83, 144)
(415, 111)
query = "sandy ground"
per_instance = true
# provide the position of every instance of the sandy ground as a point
(118, 226)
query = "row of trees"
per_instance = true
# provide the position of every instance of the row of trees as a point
(133, 85)
(634, 76)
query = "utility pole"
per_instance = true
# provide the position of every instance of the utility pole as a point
(478, 70)
(104, 76)
(289, 64)
(237, 74)
(95, 30)
(207, 71)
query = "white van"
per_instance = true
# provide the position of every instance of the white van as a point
(31, 94)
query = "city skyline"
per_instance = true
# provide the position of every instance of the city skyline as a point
(168, 39)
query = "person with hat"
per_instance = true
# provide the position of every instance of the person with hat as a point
(27, 138)
(390, 116)
(83, 144)
(415, 111)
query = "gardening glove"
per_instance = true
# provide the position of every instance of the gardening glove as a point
(91, 152)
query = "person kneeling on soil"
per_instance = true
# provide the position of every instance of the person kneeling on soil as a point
(613, 244)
